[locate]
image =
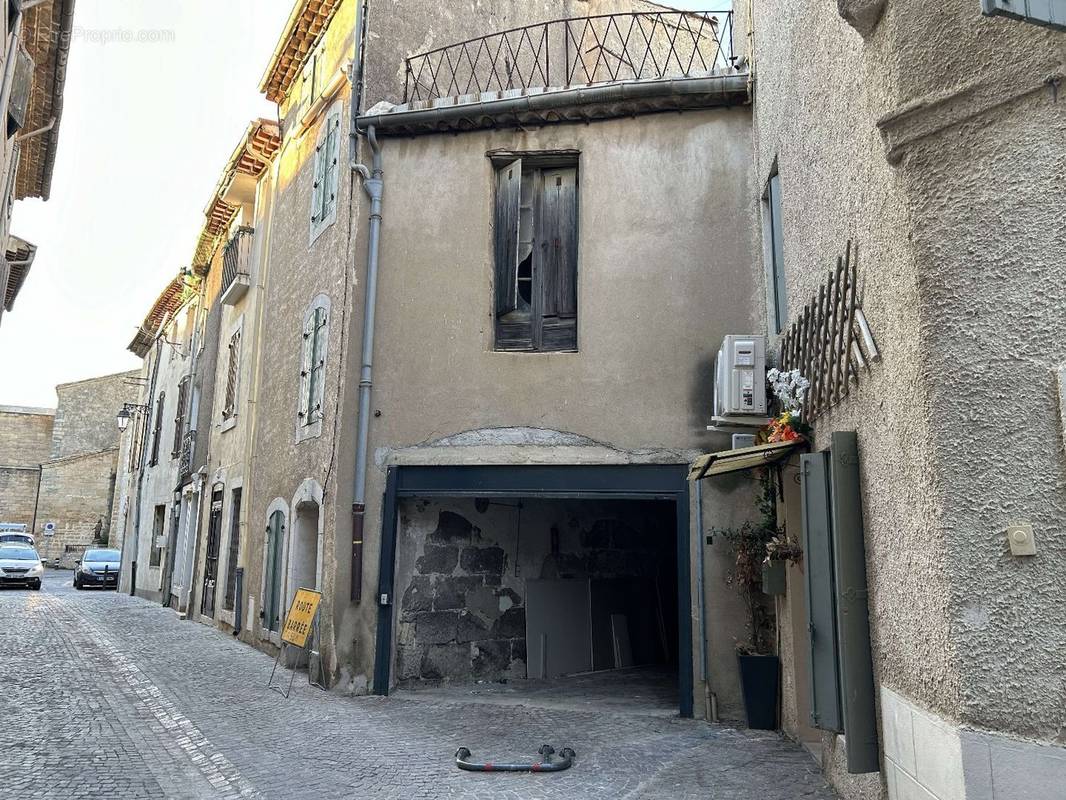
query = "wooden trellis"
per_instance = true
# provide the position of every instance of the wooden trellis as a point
(830, 342)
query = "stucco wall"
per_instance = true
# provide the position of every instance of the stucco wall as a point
(85, 415)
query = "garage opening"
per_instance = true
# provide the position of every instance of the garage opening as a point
(571, 600)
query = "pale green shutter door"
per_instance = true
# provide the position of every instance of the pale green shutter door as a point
(821, 599)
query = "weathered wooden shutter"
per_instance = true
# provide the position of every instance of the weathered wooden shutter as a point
(19, 99)
(157, 428)
(179, 415)
(329, 170)
(318, 362)
(511, 333)
(821, 595)
(233, 372)
(853, 621)
(305, 370)
(318, 184)
(556, 271)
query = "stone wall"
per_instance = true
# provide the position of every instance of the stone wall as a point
(76, 495)
(25, 441)
(85, 416)
(463, 573)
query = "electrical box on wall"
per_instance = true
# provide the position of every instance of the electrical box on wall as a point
(1049, 13)
(740, 382)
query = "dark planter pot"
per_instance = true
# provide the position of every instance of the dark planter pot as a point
(773, 577)
(758, 683)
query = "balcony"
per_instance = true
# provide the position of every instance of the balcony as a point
(236, 266)
(571, 70)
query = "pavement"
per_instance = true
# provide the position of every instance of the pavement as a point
(104, 695)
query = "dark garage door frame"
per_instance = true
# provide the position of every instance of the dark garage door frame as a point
(602, 482)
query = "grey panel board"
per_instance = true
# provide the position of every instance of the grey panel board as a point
(558, 627)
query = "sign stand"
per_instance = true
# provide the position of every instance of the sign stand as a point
(300, 622)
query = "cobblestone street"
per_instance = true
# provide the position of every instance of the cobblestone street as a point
(110, 696)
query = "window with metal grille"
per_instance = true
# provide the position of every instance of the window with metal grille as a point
(157, 429)
(234, 545)
(313, 363)
(324, 186)
(773, 237)
(179, 416)
(229, 408)
(536, 252)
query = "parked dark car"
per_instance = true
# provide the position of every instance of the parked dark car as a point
(20, 566)
(97, 568)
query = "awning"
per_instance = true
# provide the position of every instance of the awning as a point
(742, 458)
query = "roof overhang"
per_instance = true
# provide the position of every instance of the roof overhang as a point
(743, 458)
(19, 255)
(46, 33)
(554, 105)
(165, 305)
(250, 159)
(307, 22)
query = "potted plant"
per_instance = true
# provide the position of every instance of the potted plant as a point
(759, 667)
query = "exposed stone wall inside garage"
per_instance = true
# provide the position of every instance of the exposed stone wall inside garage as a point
(463, 570)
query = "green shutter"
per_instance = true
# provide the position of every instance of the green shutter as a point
(821, 595)
(853, 622)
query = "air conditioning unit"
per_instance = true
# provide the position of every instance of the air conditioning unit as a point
(740, 383)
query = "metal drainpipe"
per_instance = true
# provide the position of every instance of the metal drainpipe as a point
(710, 699)
(373, 186)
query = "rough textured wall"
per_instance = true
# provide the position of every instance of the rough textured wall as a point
(984, 168)
(25, 442)
(85, 416)
(76, 495)
(463, 576)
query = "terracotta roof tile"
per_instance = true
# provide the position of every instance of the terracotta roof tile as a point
(308, 21)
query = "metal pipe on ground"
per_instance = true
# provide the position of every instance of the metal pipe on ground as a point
(546, 764)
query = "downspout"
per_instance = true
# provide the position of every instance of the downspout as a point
(373, 186)
(710, 699)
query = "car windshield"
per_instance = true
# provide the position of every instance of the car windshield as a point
(15, 537)
(18, 553)
(101, 555)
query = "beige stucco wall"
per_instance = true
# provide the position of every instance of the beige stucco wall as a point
(958, 244)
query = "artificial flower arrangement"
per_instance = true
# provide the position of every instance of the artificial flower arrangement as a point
(790, 389)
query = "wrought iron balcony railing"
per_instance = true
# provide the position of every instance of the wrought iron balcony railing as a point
(236, 261)
(188, 450)
(576, 52)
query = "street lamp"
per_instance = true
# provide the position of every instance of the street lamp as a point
(126, 414)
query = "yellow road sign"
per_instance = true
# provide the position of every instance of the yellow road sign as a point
(301, 614)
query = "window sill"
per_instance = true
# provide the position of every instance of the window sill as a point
(535, 352)
(312, 431)
(229, 422)
(318, 230)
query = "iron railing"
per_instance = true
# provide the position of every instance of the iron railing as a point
(188, 449)
(236, 256)
(576, 52)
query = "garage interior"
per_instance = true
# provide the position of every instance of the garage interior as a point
(539, 599)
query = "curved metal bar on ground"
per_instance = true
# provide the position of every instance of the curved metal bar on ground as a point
(566, 755)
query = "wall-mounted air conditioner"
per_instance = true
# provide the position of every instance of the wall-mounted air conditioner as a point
(740, 383)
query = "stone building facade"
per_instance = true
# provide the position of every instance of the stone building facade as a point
(25, 444)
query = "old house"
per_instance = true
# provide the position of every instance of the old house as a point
(33, 63)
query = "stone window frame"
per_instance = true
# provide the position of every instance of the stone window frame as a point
(308, 423)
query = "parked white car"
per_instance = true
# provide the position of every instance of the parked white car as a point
(20, 566)
(17, 537)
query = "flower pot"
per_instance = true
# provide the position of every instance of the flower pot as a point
(773, 576)
(758, 683)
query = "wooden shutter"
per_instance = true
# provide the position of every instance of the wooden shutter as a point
(821, 594)
(853, 621)
(305, 370)
(318, 183)
(230, 406)
(157, 428)
(329, 170)
(555, 271)
(179, 415)
(513, 332)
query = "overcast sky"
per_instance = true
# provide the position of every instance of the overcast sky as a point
(157, 96)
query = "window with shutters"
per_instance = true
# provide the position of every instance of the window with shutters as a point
(773, 238)
(157, 429)
(233, 368)
(326, 172)
(314, 339)
(179, 415)
(233, 551)
(535, 297)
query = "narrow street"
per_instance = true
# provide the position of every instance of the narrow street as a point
(110, 696)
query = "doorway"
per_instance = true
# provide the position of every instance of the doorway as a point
(272, 576)
(214, 533)
(538, 573)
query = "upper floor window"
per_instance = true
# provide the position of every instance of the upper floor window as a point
(313, 367)
(536, 253)
(773, 237)
(157, 429)
(324, 185)
(179, 415)
(233, 369)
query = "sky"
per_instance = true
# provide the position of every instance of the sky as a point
(157, 96)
